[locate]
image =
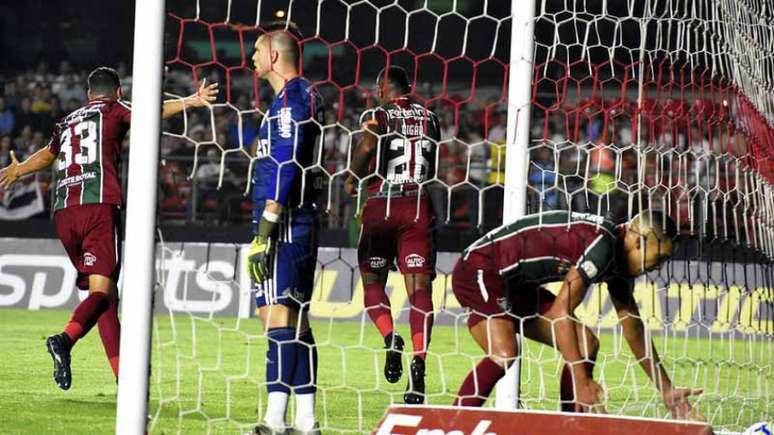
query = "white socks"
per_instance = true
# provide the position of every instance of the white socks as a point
(305, 420)
(278, 404)
(275, 410)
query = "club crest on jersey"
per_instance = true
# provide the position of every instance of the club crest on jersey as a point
(89, 259)
(377, 262)
(415, 260)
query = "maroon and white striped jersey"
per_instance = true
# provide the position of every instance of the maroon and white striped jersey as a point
(87, 143)
(406, 149)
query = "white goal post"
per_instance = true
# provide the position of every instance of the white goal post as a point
(136, 311)
(517, 156)
(136, 304)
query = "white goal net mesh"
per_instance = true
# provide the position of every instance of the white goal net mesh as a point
(635, 104)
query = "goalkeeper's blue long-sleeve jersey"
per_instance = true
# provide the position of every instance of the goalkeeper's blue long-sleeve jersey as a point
(289, 133)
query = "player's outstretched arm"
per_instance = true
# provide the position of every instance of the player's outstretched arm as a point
(40, 160)
(205, 96)
(561, 314)
(675, 399)
(361, 156)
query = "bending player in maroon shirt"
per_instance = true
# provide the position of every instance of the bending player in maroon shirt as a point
(394, 159)
(499, 280)
(85, 146)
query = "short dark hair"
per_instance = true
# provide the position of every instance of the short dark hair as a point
(282, 26)
(397, 77)
(104, 80)
(288, 27)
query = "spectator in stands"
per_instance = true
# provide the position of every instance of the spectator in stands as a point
(6, 118)
(24, 116)
(5, 148)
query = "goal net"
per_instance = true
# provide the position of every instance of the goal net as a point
(638, 104)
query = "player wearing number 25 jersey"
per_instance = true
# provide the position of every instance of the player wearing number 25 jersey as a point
(398, 149)
(84, 149)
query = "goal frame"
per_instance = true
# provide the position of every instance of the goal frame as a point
(136, 309)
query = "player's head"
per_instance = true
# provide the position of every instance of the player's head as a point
(648, 241)
(104, 83)
(392, 82)
(277, 49)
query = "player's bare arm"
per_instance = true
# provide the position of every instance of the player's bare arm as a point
(361, 156)
(675, 399)
(561, 313)
(15, 170)
(206, 95)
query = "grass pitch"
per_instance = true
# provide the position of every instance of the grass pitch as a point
(208, 376)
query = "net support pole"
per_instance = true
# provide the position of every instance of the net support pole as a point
(132, 403)
(517, 150)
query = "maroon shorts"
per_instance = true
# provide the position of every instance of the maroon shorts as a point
(484, 293)
(400, 234)
(90, 234)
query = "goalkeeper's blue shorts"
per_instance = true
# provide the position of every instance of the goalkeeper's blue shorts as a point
(293, 261)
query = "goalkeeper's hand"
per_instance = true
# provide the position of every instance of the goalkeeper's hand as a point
(258, 259)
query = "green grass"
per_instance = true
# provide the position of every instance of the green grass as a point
(208, 376)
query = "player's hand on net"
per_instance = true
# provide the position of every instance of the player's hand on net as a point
(589, 397)
(206, 95)
(10, 173)
(258, 259)
(676, 400)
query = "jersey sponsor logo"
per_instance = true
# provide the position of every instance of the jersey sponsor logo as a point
(415, 260)
(285, 122)
(589, 268)
(89, 259)
(432, 423)
(75, 179)
(414, 112)
(377, 262)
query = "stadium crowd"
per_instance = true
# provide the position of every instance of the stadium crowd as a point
(471, 153)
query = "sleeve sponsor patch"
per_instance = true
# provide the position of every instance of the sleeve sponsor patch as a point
(285, 122)
(589, 268)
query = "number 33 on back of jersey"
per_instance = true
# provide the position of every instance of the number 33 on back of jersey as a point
(86, 133)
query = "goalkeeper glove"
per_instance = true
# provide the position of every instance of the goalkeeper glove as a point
(258, 257)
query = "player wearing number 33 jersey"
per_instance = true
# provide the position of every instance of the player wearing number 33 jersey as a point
(84, 149)
(395, 159)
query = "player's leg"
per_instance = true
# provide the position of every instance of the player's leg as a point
(110, 332)
(419, 288)
(108, 323)
(495, 332)
(304, 382)
(416, 260)
(376, 251)
(89, 237)
(291, 361)
(539, 329)
(279, 322)
(496, 335)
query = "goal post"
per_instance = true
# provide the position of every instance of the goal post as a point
(140, 246)
(609, 107)
(520, 73)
